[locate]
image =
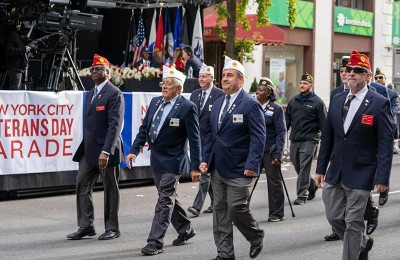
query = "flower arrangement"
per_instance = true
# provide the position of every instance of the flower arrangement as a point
(118, 74)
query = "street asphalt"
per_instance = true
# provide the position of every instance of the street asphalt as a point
(36, 228)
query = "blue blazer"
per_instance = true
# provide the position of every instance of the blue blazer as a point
(102, 122)
(336, 91)
(204, 115)
(275, 129)
(238, 144)
(363, 156)
(168, 148)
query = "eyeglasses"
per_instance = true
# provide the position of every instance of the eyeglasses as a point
(378, 77)
(356, 70)
(167, 83)
(93, 69)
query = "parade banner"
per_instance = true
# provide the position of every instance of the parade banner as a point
(39, 131)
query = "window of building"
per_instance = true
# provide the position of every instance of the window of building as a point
(355, 4)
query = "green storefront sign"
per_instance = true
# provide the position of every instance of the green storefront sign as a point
(278, 13)
(353, 21)
(396, 24)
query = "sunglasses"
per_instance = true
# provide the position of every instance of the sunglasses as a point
(356, 70)
(93, 69)
(379, 77)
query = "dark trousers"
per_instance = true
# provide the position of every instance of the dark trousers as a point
(231, 205)
(204, 187)
(301, 155)
(276, 197)
(168, 209)
(85, 181)
(14, 80)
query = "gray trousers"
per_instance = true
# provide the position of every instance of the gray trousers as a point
(276, 197)
(301, 155)
(344, 208)
(230, 205)
(204, 187)
(168, 209)
(85, 181)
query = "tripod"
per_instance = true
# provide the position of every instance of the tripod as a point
(63, 63)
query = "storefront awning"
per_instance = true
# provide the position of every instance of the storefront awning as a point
(271, 35)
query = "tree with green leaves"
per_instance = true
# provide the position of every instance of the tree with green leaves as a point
(235, 11)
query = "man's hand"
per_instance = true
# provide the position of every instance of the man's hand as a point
(195, 176)
(130, 158)
(276, 162)
(380, 188)
(103, 160)
(250, 173)
(320, 180)
(203, 167)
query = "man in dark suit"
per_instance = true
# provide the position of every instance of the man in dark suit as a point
(100, 152)
(275, 140)
(170, 120)
(191, 61)
(147, 59)
(357, 145)
(233, 151)
(343, 78)
(204, 99)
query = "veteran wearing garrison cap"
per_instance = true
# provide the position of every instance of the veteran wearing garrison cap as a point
(204, 99)
(170, 120)
(275, 140)
(100, 152)
(233, 152)
(357, 145)
(343, 78)
(305, 115)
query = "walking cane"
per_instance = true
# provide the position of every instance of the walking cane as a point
(254, 187)
(287, 194)
(283, 180)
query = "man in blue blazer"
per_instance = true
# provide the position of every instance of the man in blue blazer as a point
(204, 99)
(100, 152)
(275, 140)
(343, 78)
(234, 148)
(170, 120)
(358, 146)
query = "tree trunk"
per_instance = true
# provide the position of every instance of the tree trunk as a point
(231, 29)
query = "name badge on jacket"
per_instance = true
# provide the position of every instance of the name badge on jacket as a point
(174, 122)
(269, 113)
(367, 119)
(100, 108)
(237, 118)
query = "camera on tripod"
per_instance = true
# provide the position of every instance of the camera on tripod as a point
(70, 19)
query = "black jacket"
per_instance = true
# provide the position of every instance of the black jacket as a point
(14, 51)
(306, 119)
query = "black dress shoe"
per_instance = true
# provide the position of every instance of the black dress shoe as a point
(383, 197)
(311, 193)
(332, 237)
(256, 250)
(194, 211)
(369, 242)
(373, 222)
(209, 210)
(300, 201)
(182, 238)
(223, 258)
(151, 250)
(81, 233)
(109, 235)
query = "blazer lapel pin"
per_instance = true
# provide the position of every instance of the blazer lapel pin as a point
(366, 102)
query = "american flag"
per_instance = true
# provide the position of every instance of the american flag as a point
(140, 41)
